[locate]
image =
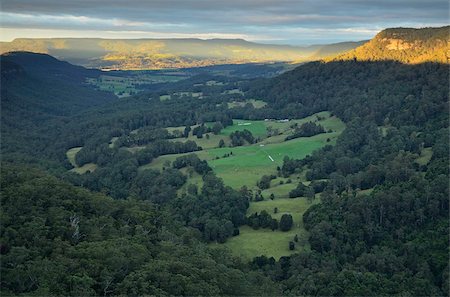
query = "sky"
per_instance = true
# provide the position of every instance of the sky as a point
(296, 22)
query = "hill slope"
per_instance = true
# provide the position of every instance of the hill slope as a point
(38, 94)
(404, 45)
(56, 86)
(168, 53)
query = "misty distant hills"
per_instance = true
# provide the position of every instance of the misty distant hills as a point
(128, 54)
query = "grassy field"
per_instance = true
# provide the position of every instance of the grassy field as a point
(71, 153)
(425, 156)
(164, 97)
(112, 142)
(233, 91)
(124, 86)
(256, 103)
(181, 94)
(251, 243)
(258, 128)
(280, 191)
(246, 165)
(207, 142)
(254, 161)
(365, 192)
(193, 178)
(85, 168)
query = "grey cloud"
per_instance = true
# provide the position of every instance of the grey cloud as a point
(273, 18)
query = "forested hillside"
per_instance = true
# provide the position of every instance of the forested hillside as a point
(58, 239)
(371, 165)
(394, 112)
(38, 95)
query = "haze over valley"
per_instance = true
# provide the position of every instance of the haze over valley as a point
(142, 54)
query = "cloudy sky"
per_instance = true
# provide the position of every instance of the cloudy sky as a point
(298, 22)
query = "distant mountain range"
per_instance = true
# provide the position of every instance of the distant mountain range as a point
(406, 45)
(128, 54)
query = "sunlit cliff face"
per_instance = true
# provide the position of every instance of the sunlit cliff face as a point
(409, 46)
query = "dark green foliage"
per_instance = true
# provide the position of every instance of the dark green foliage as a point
(286, 222)
(200, 130)
(291, 245)
(217, 127)
(318, 186)
(300, 191)
(262, 220)
(186, 131)
(143, 136)
(306, 130)
(200, 166)
(239, 138)
(38, 95)
(215, 212)
(158, 187)
(58, 239)
(394, 241)
(258, 196)
(264, 183)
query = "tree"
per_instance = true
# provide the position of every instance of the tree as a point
(286, 222)
(258, 196)
(291, 245)
(186, 131)
(221, 143)
(217, 127)
(274, 225)
(264, 183)
(300, 191)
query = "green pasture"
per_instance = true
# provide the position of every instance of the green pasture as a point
(128, 85)
(233, 91)
(245, 165)
(258, 128)
(71, 153)
(256, 103)
(181, 94)
(251, 243)
(280, 191)
(425, 156)
(207, 142)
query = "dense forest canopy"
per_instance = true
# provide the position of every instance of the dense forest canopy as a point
(378, 226)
